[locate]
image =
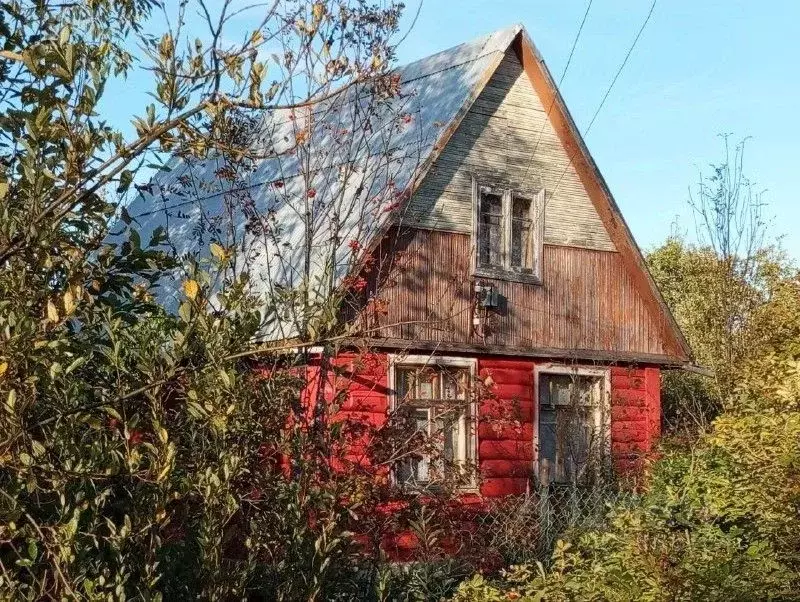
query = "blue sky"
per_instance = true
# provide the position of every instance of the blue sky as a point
(701, 68)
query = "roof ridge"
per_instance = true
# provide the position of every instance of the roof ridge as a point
(516, 28)
(511, 31)
(447, 68)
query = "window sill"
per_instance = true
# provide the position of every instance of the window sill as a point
(430, 491)
(508, 276)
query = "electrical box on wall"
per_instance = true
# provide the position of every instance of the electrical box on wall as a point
(486, 295)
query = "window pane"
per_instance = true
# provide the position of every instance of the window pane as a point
(405, 383)
(426, 382)
(521, 208)
(567, 389)
(454, 384)
(568, 433)
(521, 229)
(415, 469)
(448, 431)
(422, 463)
(448, 437)
(490, 230)
(573, 443)
(412, 471)
(421, 419)
(547, 443)
(417, 383)
(560, 389)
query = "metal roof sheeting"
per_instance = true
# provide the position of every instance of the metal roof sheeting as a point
(359, 153)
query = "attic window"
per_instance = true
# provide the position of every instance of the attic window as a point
(508, 228)
(490, 230)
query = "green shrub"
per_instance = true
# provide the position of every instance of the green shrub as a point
(718, 522)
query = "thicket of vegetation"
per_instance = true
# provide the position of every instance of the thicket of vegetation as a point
(719, 517)
(143, 453)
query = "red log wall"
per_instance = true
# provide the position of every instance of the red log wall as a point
(506, 415)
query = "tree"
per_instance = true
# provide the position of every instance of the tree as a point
(734, 294)
(148, 453)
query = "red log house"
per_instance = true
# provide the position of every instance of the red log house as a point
(516, 272)
(520, 273)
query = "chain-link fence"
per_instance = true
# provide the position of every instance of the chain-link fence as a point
(525, 528)
(453, 546)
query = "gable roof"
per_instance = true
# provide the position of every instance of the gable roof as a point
(190, 200)
(394, 148)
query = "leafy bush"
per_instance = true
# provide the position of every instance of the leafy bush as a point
(149, 454)
(719, 522)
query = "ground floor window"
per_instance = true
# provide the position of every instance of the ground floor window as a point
(432, 410)
(572, 434)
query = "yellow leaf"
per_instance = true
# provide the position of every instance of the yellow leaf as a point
(301, 136)
(3, 368)
(163, 474)
(166, 47)
(318, 11)
(191, 288)
(69, 303)
(217, 250)
(52, 312)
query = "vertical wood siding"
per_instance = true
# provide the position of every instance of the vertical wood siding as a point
(507, 138)
(587, 301)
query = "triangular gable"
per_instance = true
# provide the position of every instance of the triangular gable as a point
(587, 172)
(599, 192)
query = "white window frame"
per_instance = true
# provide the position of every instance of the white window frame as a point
(468, 448)
(602, 413)
(537, 215)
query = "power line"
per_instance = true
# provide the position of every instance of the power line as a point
(560, 81)
(575, 42)
(608, 92)
(622, 66)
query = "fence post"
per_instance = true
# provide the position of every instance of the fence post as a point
(545, 510)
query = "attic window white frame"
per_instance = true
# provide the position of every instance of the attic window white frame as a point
(506, 271)
(467, 452)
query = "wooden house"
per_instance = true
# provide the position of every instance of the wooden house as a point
(518, 273)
